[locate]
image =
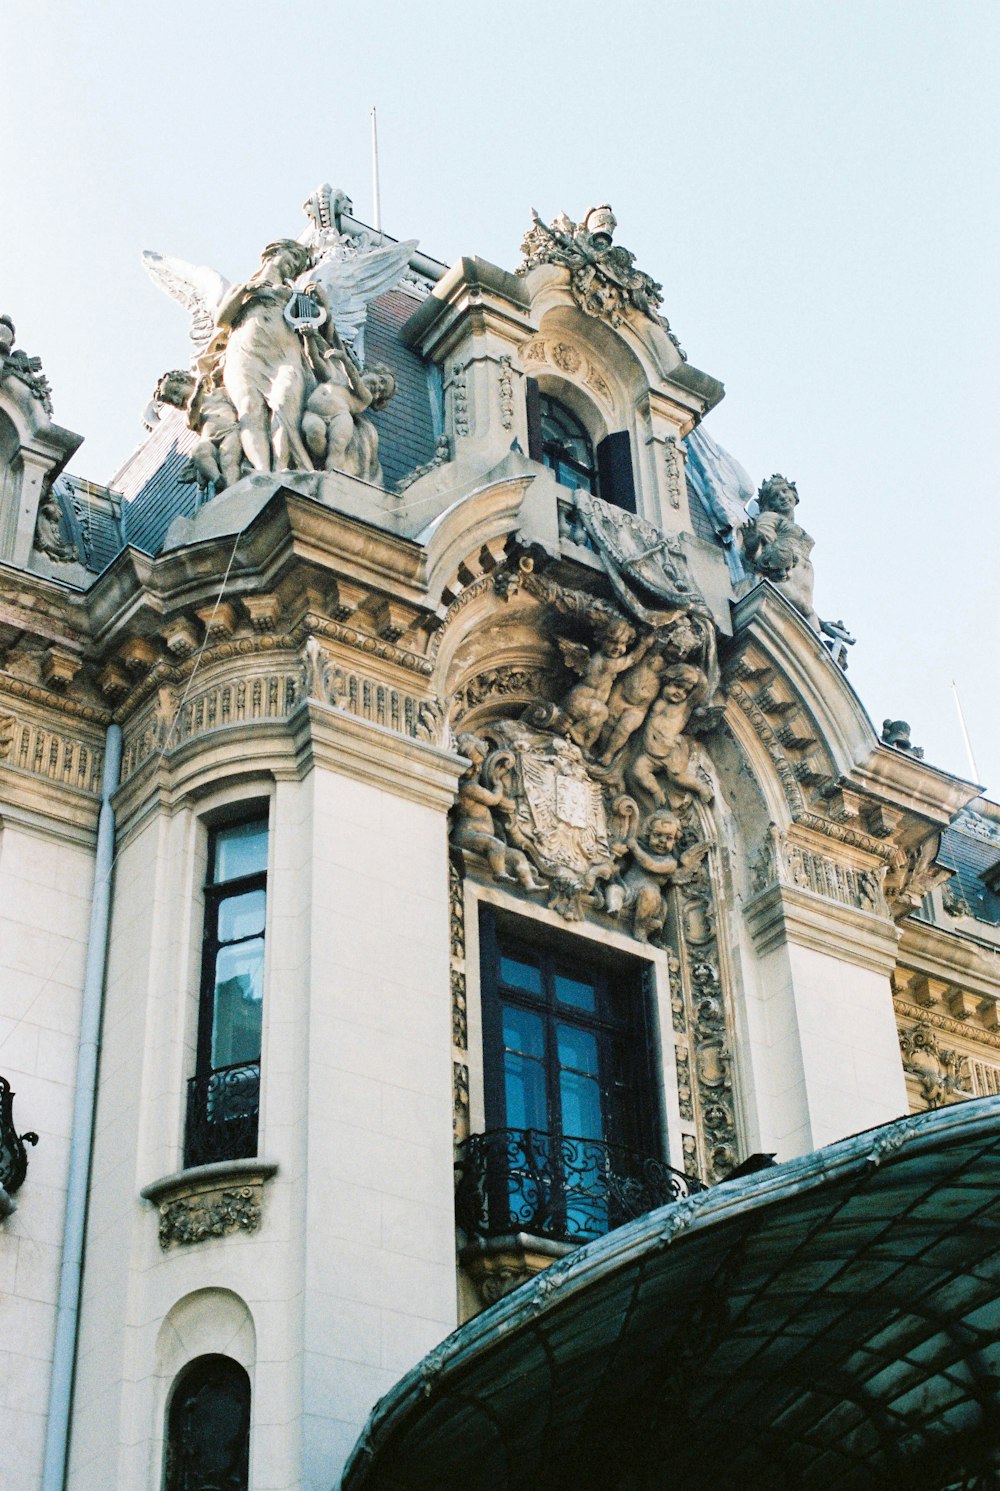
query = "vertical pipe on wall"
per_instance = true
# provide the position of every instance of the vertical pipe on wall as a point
(71, 1271)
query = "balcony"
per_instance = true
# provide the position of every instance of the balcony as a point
(222, 1108)
(13, 1155)
(564, 1190)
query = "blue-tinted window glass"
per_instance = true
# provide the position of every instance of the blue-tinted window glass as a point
(240, 850)
(239, 988)
(241, 916)
(521, 975)
(573, 991)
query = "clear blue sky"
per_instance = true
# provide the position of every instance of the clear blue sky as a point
(813, 181)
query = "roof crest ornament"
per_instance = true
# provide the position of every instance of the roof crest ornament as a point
(603, 277)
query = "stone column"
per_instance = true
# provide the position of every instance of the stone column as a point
(824, 1050)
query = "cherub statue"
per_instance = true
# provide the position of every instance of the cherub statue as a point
(655, 865)
(474, 826)
(629, 703)
(337, 436)
(585, 709)
(779, 549)
(664, 750)
(217, 459)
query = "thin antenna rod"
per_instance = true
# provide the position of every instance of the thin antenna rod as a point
(965, 732)
(376, 198)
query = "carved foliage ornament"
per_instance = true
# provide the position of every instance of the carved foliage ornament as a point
(211, 1213)
(16, 364)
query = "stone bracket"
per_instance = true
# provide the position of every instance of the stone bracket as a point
(209, 1201)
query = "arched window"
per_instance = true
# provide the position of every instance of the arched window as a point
(566, 446)
(208, 1428)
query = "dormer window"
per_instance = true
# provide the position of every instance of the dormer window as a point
(558, 439)
(566, 446)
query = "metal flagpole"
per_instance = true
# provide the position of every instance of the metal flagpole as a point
(376, 200)
(965, 732)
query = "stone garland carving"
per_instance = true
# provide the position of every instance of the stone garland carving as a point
(14, 363)
(707, 1033)
(603, 278)
(459, 398)
(506, 378)
(969, 1029)
(211, 1213)
(943, 1074)
(279, 381)
(459, 1005)
(675, 469)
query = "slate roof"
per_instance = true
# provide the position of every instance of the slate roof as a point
(971, 855)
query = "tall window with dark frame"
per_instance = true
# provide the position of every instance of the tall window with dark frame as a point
(573, 1143)
(224, 1094)
(208, 1428)
(566, 447)
(558, 439)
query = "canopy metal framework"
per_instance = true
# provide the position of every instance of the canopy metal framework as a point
(834, 1321)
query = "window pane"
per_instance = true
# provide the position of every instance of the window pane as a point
(523, 1031)
(521, 975)
(573, 991)
(581, 1106)
(239, 980)
(524, 1091)
(241, 916)
(577, 1048)
(240, 850)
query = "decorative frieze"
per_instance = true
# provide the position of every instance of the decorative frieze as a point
(788, 862)
(51, 755)
(506, 378)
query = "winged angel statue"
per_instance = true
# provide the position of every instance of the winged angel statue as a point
(279, 359)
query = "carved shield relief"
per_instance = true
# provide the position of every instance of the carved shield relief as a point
(559, 809)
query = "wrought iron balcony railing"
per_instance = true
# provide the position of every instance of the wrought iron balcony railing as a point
(569, 1190)
(222, 1109)
(13, 1155)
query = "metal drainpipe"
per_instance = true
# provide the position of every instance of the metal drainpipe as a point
(71, 1271)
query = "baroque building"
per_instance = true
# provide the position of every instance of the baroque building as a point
(451, 890)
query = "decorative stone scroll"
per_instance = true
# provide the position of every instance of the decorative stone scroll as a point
(16, 364)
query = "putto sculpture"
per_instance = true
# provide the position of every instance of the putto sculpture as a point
(281, 355)
(590, 797)
(778, 549)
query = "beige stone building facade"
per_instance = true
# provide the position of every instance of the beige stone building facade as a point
(423, 762)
